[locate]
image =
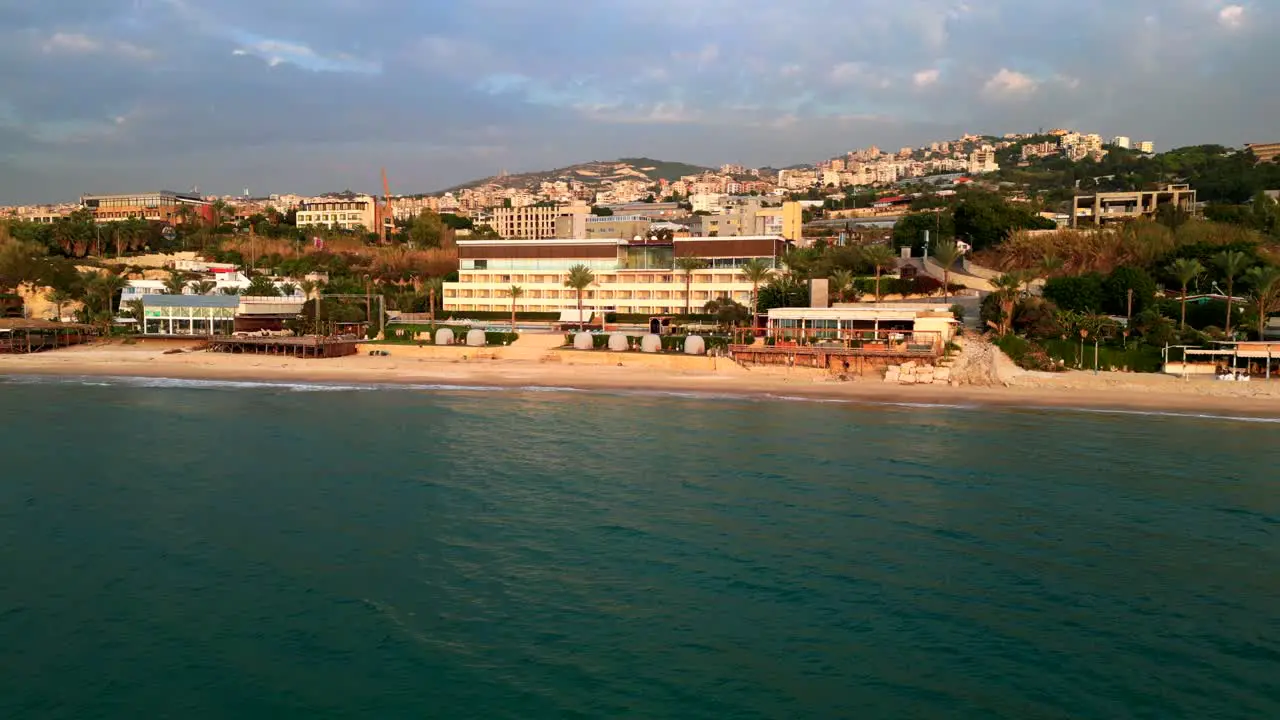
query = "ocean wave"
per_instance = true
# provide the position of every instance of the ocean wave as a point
(310, 387)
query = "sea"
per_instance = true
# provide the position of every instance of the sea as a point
(180, 549)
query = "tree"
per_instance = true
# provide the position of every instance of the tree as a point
(175, 284)
(1265, 280)
(515, 292)
(841, 283)
(425, 230)
(1232, 263)
(1007, 289)
(756, 271)
(601, 211)
(261, 286)
(204, 287)
(687, 265)
(1117, 286)
(287, 289)
(947, 252)
(879, 257)
(1076, 293)
(910, 230)
(580, 278)
(729, 313)
(230, 291)
(1185, 270)
(137, 311)
(58, 297)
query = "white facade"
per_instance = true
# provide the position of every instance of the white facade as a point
(360, 212)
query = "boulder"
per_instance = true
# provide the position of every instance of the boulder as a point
(475, 338)
(583, 341)
(444, 336)
(942, 374)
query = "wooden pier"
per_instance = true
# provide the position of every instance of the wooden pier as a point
(307, 346)
(21, 336)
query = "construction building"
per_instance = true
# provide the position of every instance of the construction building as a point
(1265, 152)
(1102, 208)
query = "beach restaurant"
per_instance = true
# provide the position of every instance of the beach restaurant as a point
(189, 314)
(1259, 359)
(865, 326)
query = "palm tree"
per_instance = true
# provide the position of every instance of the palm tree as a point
(175, 284)
(688, 265)
(59, 298)
(946, 252)
(1232, 263)
(308, 287)
(841, 283)
(204, 287)
(580, 278)
(1185, 270)
(1265, 280)
(435, 295)
(756, 271)
(230, 291)
(1007, 289)
(288, 288)
(137, 311)
(878, 257)
(103, 291)
(514, 292)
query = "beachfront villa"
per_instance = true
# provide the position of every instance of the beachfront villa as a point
(632, 276)
(224, 279)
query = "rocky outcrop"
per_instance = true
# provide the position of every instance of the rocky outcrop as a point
(913, 373)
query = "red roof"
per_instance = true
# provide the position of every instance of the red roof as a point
(890, 200)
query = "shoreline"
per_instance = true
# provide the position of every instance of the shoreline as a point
(1109, 392)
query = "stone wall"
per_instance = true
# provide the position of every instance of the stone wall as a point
(914, 373)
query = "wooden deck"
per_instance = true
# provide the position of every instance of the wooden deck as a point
(307, 346)
(20, 336)
(836, 357)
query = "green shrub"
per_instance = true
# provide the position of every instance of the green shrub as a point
(1026, 354)
(1137, 357)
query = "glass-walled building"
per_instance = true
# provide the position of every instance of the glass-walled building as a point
(189, 314)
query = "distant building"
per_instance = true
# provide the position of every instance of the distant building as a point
(1146, 146)
(590, 227)
(359, 212)
(534, 222)
(1265, 152)
(1121, 141)
(1103, 208)
(159, 206)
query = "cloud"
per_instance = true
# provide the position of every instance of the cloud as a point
(65, 43)
(1231, 16)
(1009, 83)
(925, 78)
(222, 93)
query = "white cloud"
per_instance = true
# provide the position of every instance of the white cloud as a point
(71, 43)
(925, 78)
(1009, 83)
(858, 73)
(61, 43)
(1231, 16)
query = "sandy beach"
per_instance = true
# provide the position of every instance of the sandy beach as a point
(1118, 391)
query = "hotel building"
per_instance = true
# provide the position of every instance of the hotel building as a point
(632, 276)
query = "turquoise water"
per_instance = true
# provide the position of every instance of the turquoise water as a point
(186, 550)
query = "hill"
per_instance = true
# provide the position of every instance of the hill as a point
(593, 173)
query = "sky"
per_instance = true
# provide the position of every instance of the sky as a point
(283, 96)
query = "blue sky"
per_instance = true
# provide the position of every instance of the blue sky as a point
(283, 96)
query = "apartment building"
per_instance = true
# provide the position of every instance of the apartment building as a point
(1122, 141)
(632, 276)
(160, 206)
(359, 212)
(535, 222)
(1265, 152)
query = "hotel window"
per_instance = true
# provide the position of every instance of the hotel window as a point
(481, 264)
